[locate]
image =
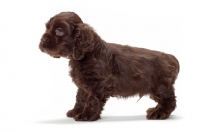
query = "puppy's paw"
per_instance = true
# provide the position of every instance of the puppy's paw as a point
(156, 113)
(86, 117)
(70, 113)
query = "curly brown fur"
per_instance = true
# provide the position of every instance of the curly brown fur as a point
(101, 69)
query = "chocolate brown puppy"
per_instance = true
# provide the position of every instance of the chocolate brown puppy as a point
(101, 70)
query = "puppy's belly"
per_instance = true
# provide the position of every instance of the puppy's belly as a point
(126, 88)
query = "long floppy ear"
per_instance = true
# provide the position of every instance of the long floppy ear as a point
(84, 41)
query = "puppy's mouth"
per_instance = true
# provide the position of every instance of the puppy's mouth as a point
(56, 56)
(49, 53)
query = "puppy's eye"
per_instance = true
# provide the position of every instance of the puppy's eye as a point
(59, 32)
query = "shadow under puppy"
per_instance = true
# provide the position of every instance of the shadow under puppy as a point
(100, 69)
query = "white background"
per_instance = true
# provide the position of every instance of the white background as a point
(36, 90)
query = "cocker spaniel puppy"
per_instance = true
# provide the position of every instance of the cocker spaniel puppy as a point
(100, 69)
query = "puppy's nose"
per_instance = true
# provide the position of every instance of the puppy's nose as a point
(44, 41)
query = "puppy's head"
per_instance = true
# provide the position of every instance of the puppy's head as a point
(66, 36)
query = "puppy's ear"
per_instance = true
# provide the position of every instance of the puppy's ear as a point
(83, 36)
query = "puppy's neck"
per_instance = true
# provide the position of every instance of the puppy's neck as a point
(100, 49)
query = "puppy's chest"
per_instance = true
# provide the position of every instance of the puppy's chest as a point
(88, 75)
(77, 77)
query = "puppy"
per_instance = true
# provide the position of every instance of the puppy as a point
(100, 69)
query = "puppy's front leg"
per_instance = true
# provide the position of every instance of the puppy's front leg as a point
(81, 98)
(94, 104)
(91, 111)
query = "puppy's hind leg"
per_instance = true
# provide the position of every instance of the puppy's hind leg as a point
(81, 98)
(166, 99)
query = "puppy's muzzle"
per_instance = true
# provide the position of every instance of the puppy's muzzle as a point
(44, 42)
